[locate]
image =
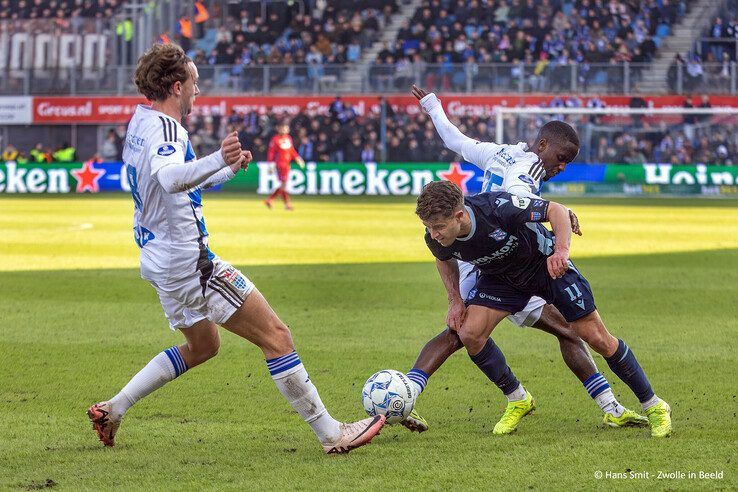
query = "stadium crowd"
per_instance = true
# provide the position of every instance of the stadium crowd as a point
(59, 10)
(298, 47)
(342, 135)
(547, 36)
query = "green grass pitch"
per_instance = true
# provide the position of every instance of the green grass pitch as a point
(354, 281)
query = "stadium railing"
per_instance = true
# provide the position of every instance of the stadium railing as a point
(717, 46)
(607, 78)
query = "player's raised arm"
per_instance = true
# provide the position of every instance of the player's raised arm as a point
(474, 151)
(451, 136)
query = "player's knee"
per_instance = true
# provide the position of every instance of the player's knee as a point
(474, 342)
(280, 339)
(602, 343)
(212, 349)
(453, 342)
(566, 333)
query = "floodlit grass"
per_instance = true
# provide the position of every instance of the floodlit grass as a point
(354, 281)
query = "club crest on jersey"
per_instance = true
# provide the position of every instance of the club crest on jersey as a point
(166, 150)
(526, 179)
(235, 278)
(498, 235)
(471, 294)
(520, 201)
(536, 216)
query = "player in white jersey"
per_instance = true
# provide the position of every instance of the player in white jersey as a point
(519, 170)
(197, 289)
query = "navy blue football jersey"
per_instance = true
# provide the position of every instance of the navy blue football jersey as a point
(506, 238)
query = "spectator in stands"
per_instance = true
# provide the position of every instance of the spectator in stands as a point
(10, 153)
(65, 153)
(717, 31)
(676, 72)
(39, 154)
(111, 148)
(695, 74)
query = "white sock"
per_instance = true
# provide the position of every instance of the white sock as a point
(608, 403)
(650, 402)
(163, 368)
(518, 394)
(418, 379)
(293, 382)
(417, 389)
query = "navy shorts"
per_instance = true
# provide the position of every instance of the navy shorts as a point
(571, 294)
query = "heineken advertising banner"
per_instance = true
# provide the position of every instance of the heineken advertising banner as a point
(359, 179)
(76, 177)
(374, 179)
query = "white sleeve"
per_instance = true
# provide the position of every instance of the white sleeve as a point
(452, 138)
(163, 153)
(220, 177)
(519, 182)
(175, 176)
(480, 154)
(474, 151)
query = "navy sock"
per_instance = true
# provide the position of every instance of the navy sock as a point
(493, 364)
(625, 366)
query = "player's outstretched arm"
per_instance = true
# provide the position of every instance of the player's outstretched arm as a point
(558, 262)
(452, 137)
(175, 177)
(449, 271)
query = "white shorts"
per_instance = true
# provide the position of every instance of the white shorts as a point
(527, 317)
(215, 297)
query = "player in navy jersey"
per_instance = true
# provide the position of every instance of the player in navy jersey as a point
(519, 169)
(518, 258)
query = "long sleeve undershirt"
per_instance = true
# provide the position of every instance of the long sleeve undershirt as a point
(175, 178)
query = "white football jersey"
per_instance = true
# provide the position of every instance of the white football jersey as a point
(510, 168)
(168, 227)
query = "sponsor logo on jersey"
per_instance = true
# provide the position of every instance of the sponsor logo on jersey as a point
(510, 245)
(537, 203)
(526, 179)
(520, 201)
(501, 201)
(142, 236)
(456, 254)
(507, 158)
(491, 298)
(498, 235)
(471, 294)
(166, 150)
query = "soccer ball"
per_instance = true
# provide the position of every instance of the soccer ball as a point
(388, 393)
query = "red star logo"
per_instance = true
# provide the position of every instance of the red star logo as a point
(457, 175)
(87, 178)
